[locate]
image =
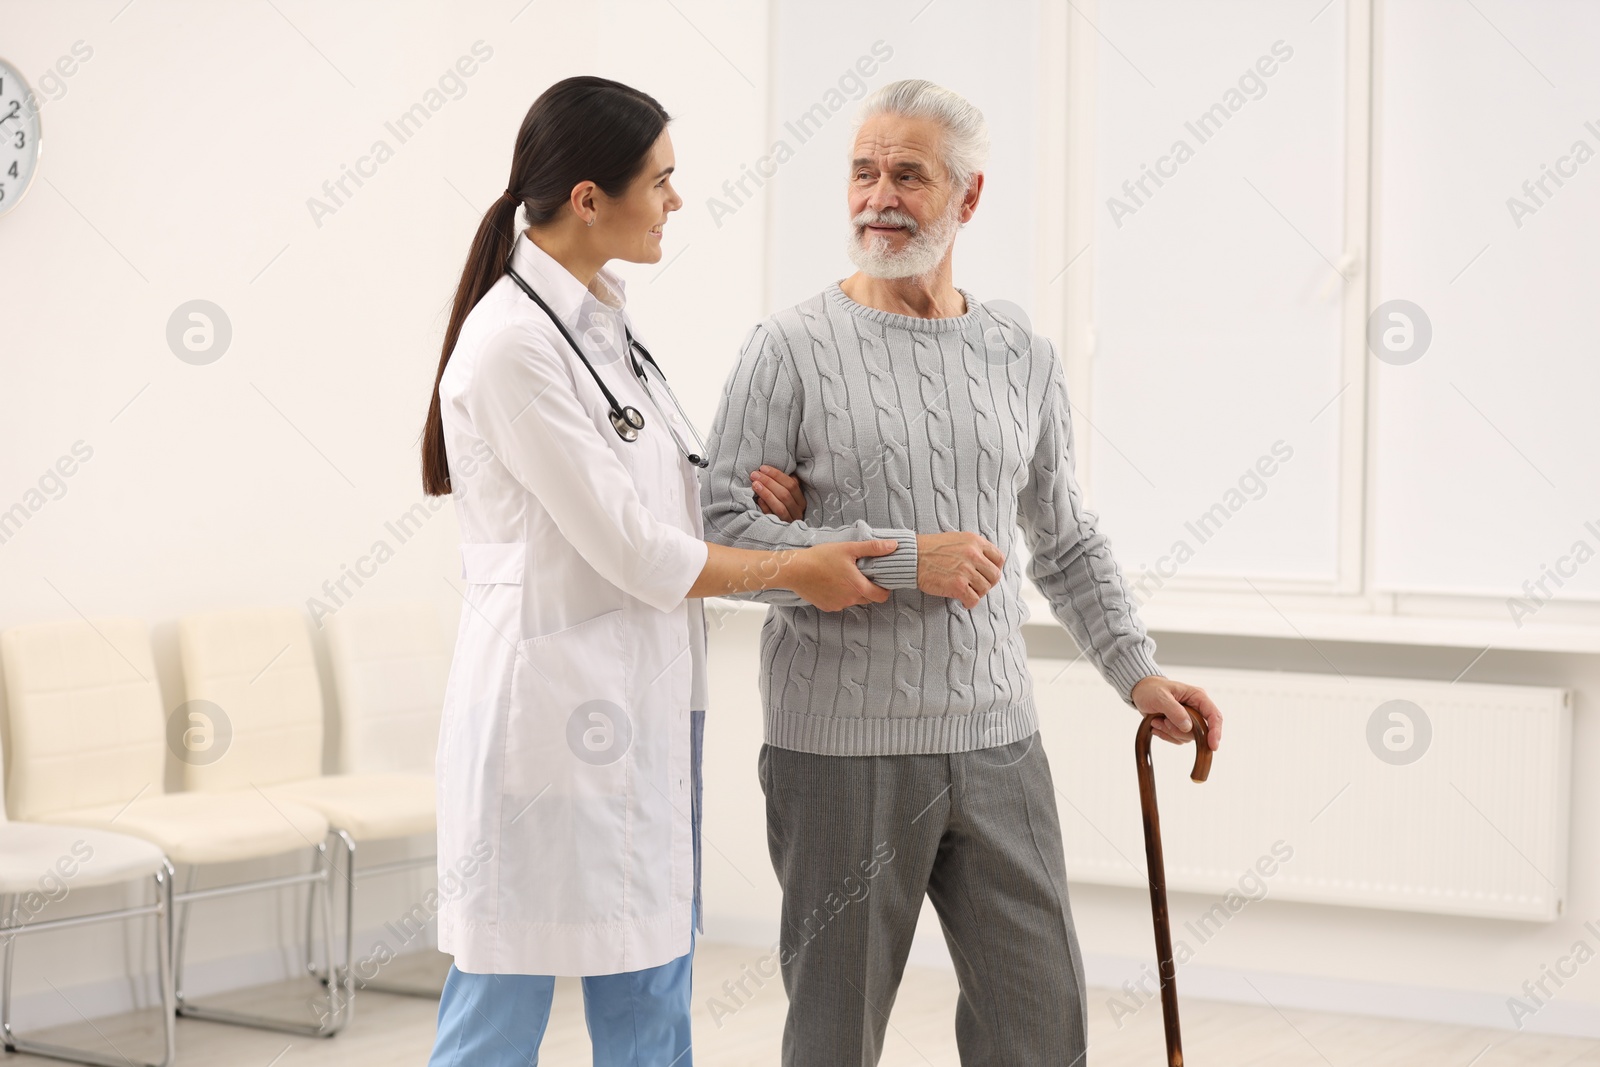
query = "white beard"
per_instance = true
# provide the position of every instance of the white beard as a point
(924, 247)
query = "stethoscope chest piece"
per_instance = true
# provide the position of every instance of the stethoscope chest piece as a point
(628, 422)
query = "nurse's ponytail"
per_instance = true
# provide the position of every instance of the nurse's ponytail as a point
(580, 129)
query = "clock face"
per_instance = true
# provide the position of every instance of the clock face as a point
(19, 136)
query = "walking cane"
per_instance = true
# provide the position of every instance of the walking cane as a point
(1158, 873)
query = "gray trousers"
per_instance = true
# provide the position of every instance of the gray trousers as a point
(857, 840)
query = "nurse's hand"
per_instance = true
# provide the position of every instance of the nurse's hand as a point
(778, 493)
(827, 577)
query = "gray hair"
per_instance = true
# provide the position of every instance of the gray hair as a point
(965, 148)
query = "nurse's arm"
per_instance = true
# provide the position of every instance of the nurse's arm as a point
(826, 576)
(758, 423)
(525, 405)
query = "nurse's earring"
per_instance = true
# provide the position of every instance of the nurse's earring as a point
(591, 222)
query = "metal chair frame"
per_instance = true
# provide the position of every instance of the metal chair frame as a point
(341, 1002)
(347, 969)
(161, 910)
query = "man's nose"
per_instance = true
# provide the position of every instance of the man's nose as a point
(883, 195)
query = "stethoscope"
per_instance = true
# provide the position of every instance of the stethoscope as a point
(627, 420)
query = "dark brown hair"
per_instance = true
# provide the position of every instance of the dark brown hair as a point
(580, 129)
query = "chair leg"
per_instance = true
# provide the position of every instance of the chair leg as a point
(169, 1002)
(179, 932)
(374, 984)
(163, 929)
(341, 993)
(311, 941)
(322, 974)
(7, 903)
(340, 1007)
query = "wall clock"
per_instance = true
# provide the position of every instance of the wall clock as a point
(19, 137)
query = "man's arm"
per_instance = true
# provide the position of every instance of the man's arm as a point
(758, 422)
(1072, 562)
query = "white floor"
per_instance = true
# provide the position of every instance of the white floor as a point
(392, 1031)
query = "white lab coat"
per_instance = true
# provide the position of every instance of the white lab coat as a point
(564, 772)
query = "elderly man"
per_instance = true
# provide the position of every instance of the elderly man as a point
(902, 755)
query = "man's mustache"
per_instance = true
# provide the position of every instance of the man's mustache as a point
(887, 218)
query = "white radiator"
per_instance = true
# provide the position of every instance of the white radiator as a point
(1477, 825)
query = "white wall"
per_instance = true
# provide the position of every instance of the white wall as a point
(178, 165)
(817, 45)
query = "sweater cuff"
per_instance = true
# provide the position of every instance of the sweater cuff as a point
(897, 570)
(1129, 670)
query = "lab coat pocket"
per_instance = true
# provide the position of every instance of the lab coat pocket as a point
(568, 731)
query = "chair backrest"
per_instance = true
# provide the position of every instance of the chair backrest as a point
(87, 726)
(257, 667)
(390, 665)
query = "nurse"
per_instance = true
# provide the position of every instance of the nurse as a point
(568, 760)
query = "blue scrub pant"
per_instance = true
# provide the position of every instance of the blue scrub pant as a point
(635, 1019)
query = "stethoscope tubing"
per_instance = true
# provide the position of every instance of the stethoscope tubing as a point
(626, 420)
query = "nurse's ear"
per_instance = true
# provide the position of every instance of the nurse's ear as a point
(584, 202)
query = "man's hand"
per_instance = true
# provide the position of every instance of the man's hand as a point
(1171, 703)
(963, 566)
(778, 494)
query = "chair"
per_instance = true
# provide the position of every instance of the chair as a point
(30, 854)
(37, 860)
(390, 666)
(258, 663)
(89, 742)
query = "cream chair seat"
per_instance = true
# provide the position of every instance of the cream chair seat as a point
(29, 850)
(370, 807)
(199, 829)
(89, 743)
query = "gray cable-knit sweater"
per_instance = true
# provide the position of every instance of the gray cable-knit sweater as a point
(896, 426)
